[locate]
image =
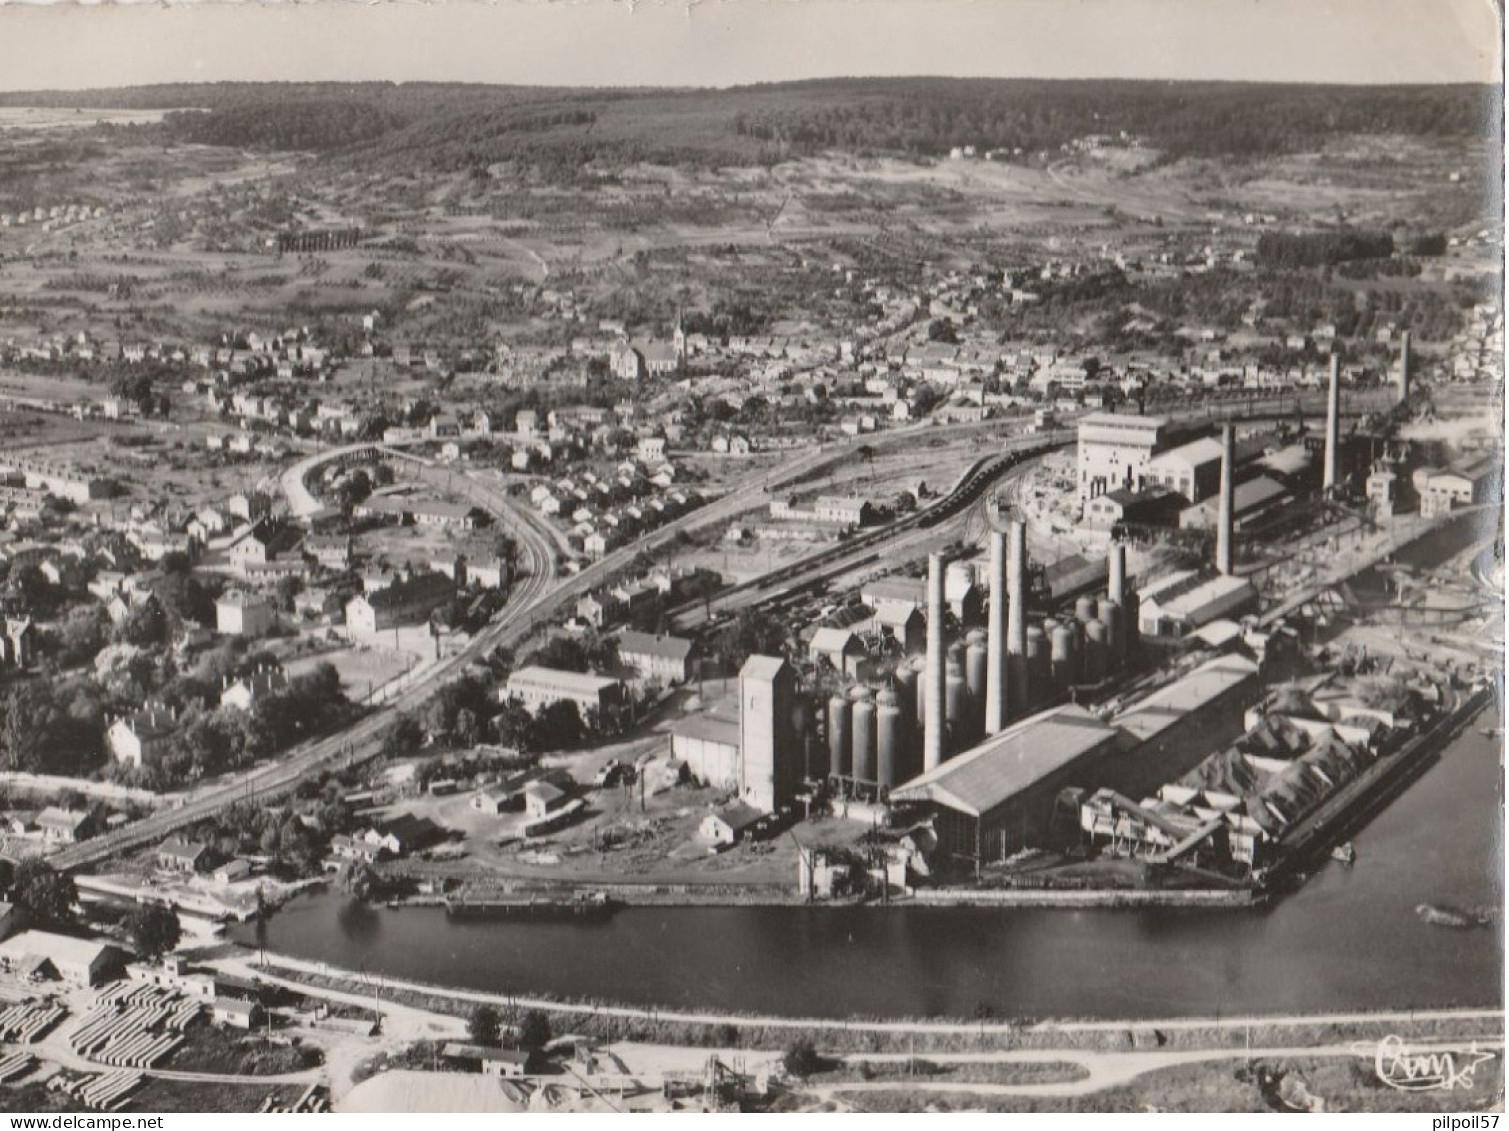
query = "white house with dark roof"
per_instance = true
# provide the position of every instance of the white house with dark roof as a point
(657, 656)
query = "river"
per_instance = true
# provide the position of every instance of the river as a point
(1350, 939)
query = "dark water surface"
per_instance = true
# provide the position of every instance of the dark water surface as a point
(1350, 939)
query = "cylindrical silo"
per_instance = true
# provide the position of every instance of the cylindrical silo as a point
(906, 691)
(1095, 651)
(1084, 609)
(1131, 631)
(840, 736)
(935, 719)
(1061, 652)
(956, 698)
(1018, 697)
(1037, 664)
(995, 674)
(957, 582)
(864, 735)
(890, 738)
(919, 674)
(1110, 616)
(976, 660)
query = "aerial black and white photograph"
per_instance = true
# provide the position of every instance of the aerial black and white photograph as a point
(836, 556)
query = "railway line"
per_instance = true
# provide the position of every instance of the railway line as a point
(859, 550)
(539, 593)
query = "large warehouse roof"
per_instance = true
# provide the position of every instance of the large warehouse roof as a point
(979, 780)
(1168, 705)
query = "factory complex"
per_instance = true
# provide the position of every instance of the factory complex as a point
(1012, 711)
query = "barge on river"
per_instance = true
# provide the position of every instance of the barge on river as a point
(531, 905)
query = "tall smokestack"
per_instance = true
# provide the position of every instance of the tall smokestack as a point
(933, 678)
(995, 672)
(1016, 624)
(1117, 589)
(1404, 368)
(1224, 519)
(1333, 422)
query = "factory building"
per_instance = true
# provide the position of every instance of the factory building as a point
(1461, 486)
(1178, 604)
(537, 687)
(993, 799)
(1115, 452)
(709, 746)
(903, 623)
(1176, 726)
(1155, 507)
(770, 757)
(1250, 502)
(839, 647)
(1192, 470)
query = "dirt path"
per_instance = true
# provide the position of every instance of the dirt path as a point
(1105, 1069)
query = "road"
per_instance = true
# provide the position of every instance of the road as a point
(535, 597)
(250, 968)
(531, 590)
(1103, 1069)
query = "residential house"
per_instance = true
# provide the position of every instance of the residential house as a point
(240, 613)
(142, 737)
(244, 691)
(655, 656)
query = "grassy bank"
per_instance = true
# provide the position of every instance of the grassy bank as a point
(992, 1034)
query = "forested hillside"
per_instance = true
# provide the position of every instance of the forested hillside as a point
(455, 126)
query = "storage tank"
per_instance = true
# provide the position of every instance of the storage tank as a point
(1037, 663)
(919, 703)
(840, 736)
(891, 744)
(864, 735)
(1084, 609)
(957, 697)
(1063, 657)
(976, 659)
(906, 691)
(960, 576)
(1131, 627)
(1095, 651)
(1110, 616)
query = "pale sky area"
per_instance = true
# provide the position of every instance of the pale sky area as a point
(729, 42)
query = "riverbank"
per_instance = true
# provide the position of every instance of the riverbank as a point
(608, 1021)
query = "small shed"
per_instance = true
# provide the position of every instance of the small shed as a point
(731, 824)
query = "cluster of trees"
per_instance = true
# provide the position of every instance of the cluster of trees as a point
(294, 836)
(292, 123)
(211, 740)
(930, 116)
(587, 652)
(558, 133)
(554, 726)
(1321, 249)
(531, 1027)
(48, 727)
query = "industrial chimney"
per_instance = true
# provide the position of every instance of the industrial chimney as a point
(1224, 519)
(1116, 567)
(934, 715)
(1333, 423)
(995, 674)
(1404, 368)
(1016, 625)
